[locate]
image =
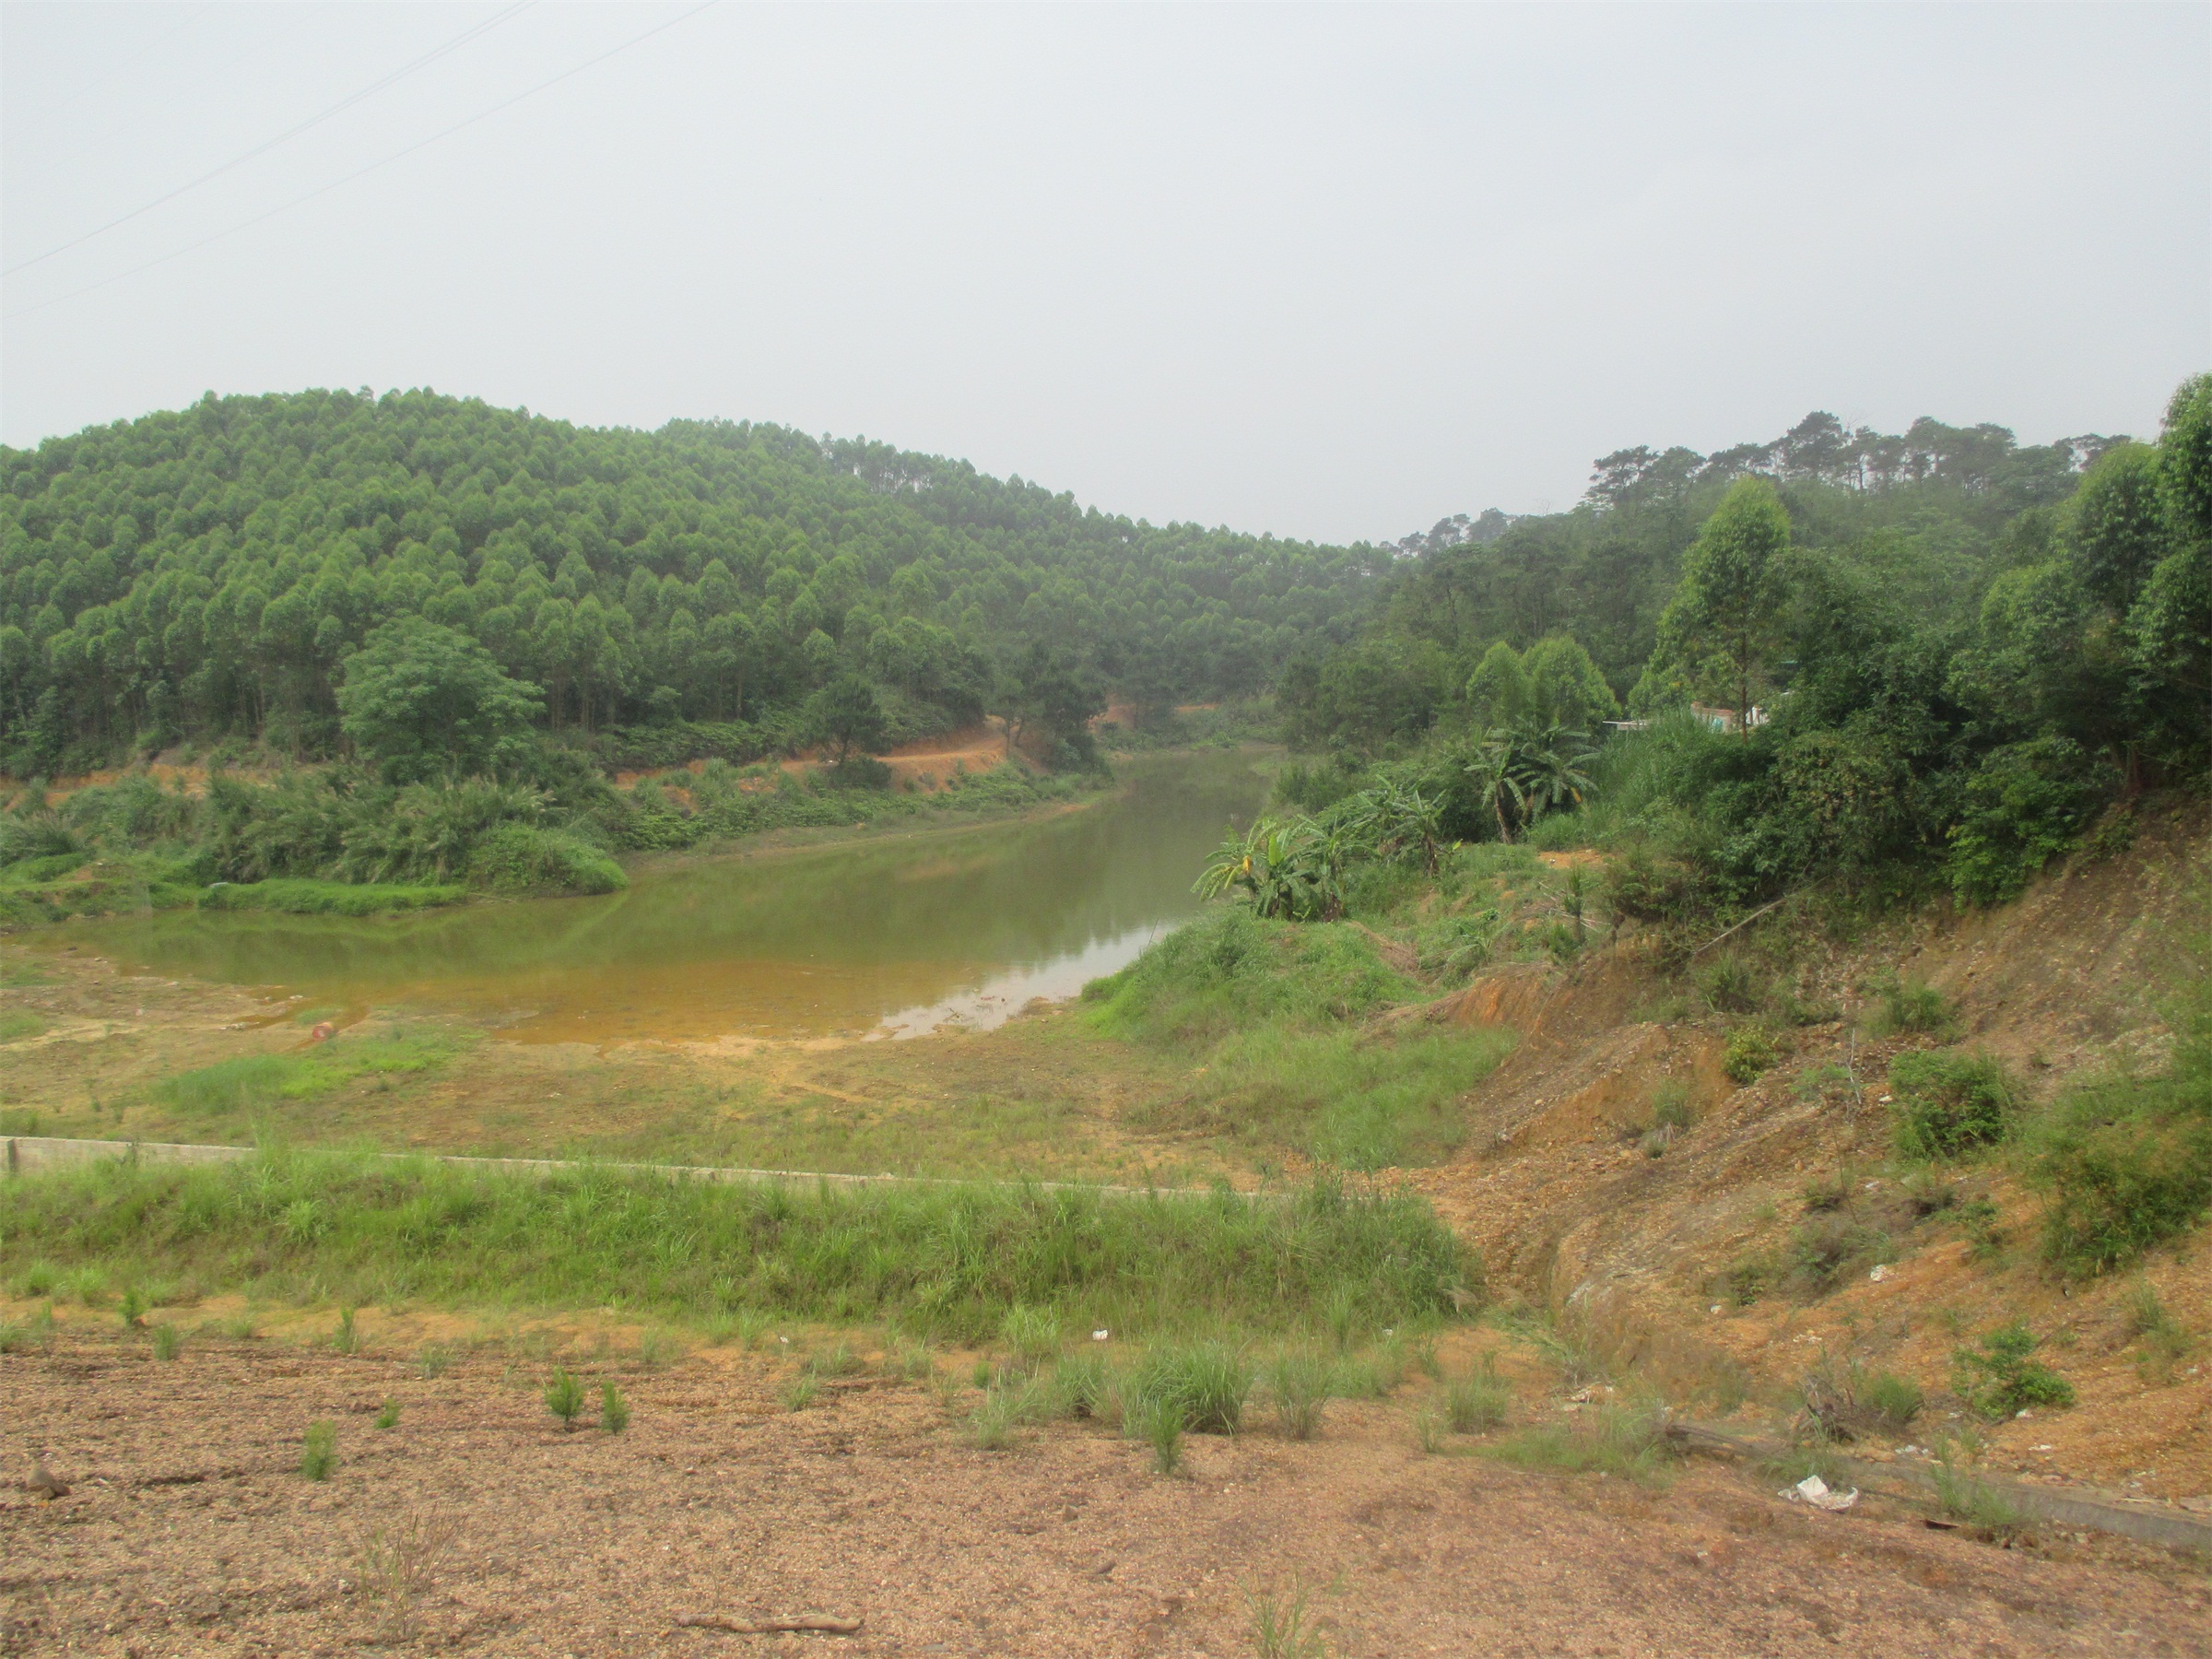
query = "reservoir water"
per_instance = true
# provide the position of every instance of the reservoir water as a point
(892, 935)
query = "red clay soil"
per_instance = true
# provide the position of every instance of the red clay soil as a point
(189, 1530)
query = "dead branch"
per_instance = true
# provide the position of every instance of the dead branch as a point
(824, 1622)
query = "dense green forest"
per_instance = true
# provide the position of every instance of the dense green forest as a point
(210, 573)
(1957, 651)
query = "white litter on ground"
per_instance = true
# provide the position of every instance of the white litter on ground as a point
(1813, 1491)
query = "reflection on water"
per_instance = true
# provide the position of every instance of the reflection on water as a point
(891, 938)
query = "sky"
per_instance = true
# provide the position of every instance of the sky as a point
(1328, 272)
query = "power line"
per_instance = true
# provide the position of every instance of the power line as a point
(459, 41)
(374, 166)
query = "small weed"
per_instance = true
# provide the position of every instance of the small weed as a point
(1670, 1106)
(657, 1351)
(388, 1416)
(990, 1425)
(1629, 1442)
(41, 1278)
(396, 1567)
(1978, 1220)
(915, 1363)
(564, 1398)
(1825, 1083)
(1476, 1404)
(242, 1328)
(800, 1392)
(1746, 1279)
(1831, 1244)
(1159, 1422)
(1429, 1430)
(1423, 1351)
(1928, 1194)
(346, 1339)
(1963, 1498)
(2001, 1377)
(1830, 1192)
(1895, 1401)
(1342, 1314)
(434, 1360)
(168, 1341)
(1082, 1386)
(14, 1338)
(1298, 1384)
(614, 1410)
(1914, 1007)
(838, 1362)
(2163, 1343)
(1031, 1334)
(1731, 985)
(319, 1450)
(1279, 1630)
(132, 1309)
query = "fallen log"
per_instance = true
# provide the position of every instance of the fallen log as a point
(824, 1622)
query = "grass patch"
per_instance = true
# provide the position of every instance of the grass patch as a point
(250, 1082)
(954, 1259)
(1275, 1013)
(1629, 1442)
(16, 1024)
(297, 896)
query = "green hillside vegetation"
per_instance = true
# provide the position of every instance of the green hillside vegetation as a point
(223, 571)
(1962, 652)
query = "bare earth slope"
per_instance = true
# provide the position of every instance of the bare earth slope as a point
(1571, 1213)
(189, 1531)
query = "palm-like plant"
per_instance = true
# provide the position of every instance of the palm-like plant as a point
(1288, 869)
(1524, 772)
(1395, 818)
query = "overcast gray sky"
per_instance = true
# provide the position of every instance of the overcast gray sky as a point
(1329, 272)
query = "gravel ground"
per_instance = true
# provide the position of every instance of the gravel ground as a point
(189, 1530)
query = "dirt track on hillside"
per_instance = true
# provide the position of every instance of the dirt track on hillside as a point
(190, 1531)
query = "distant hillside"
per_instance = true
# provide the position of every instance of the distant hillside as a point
(205, 574)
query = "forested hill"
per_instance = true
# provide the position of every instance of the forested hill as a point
(207, 572)
(1937, 511)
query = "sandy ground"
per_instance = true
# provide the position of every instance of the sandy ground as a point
(190, 1531)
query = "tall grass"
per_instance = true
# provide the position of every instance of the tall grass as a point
(1276, 1010)
(954, 1260)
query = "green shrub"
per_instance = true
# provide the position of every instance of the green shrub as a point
(523, 858)
(1750, 1053)
(1948, 1104)
(2027, 804)
(2125, 1176)
(2001, 1377)
(387, 1416)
